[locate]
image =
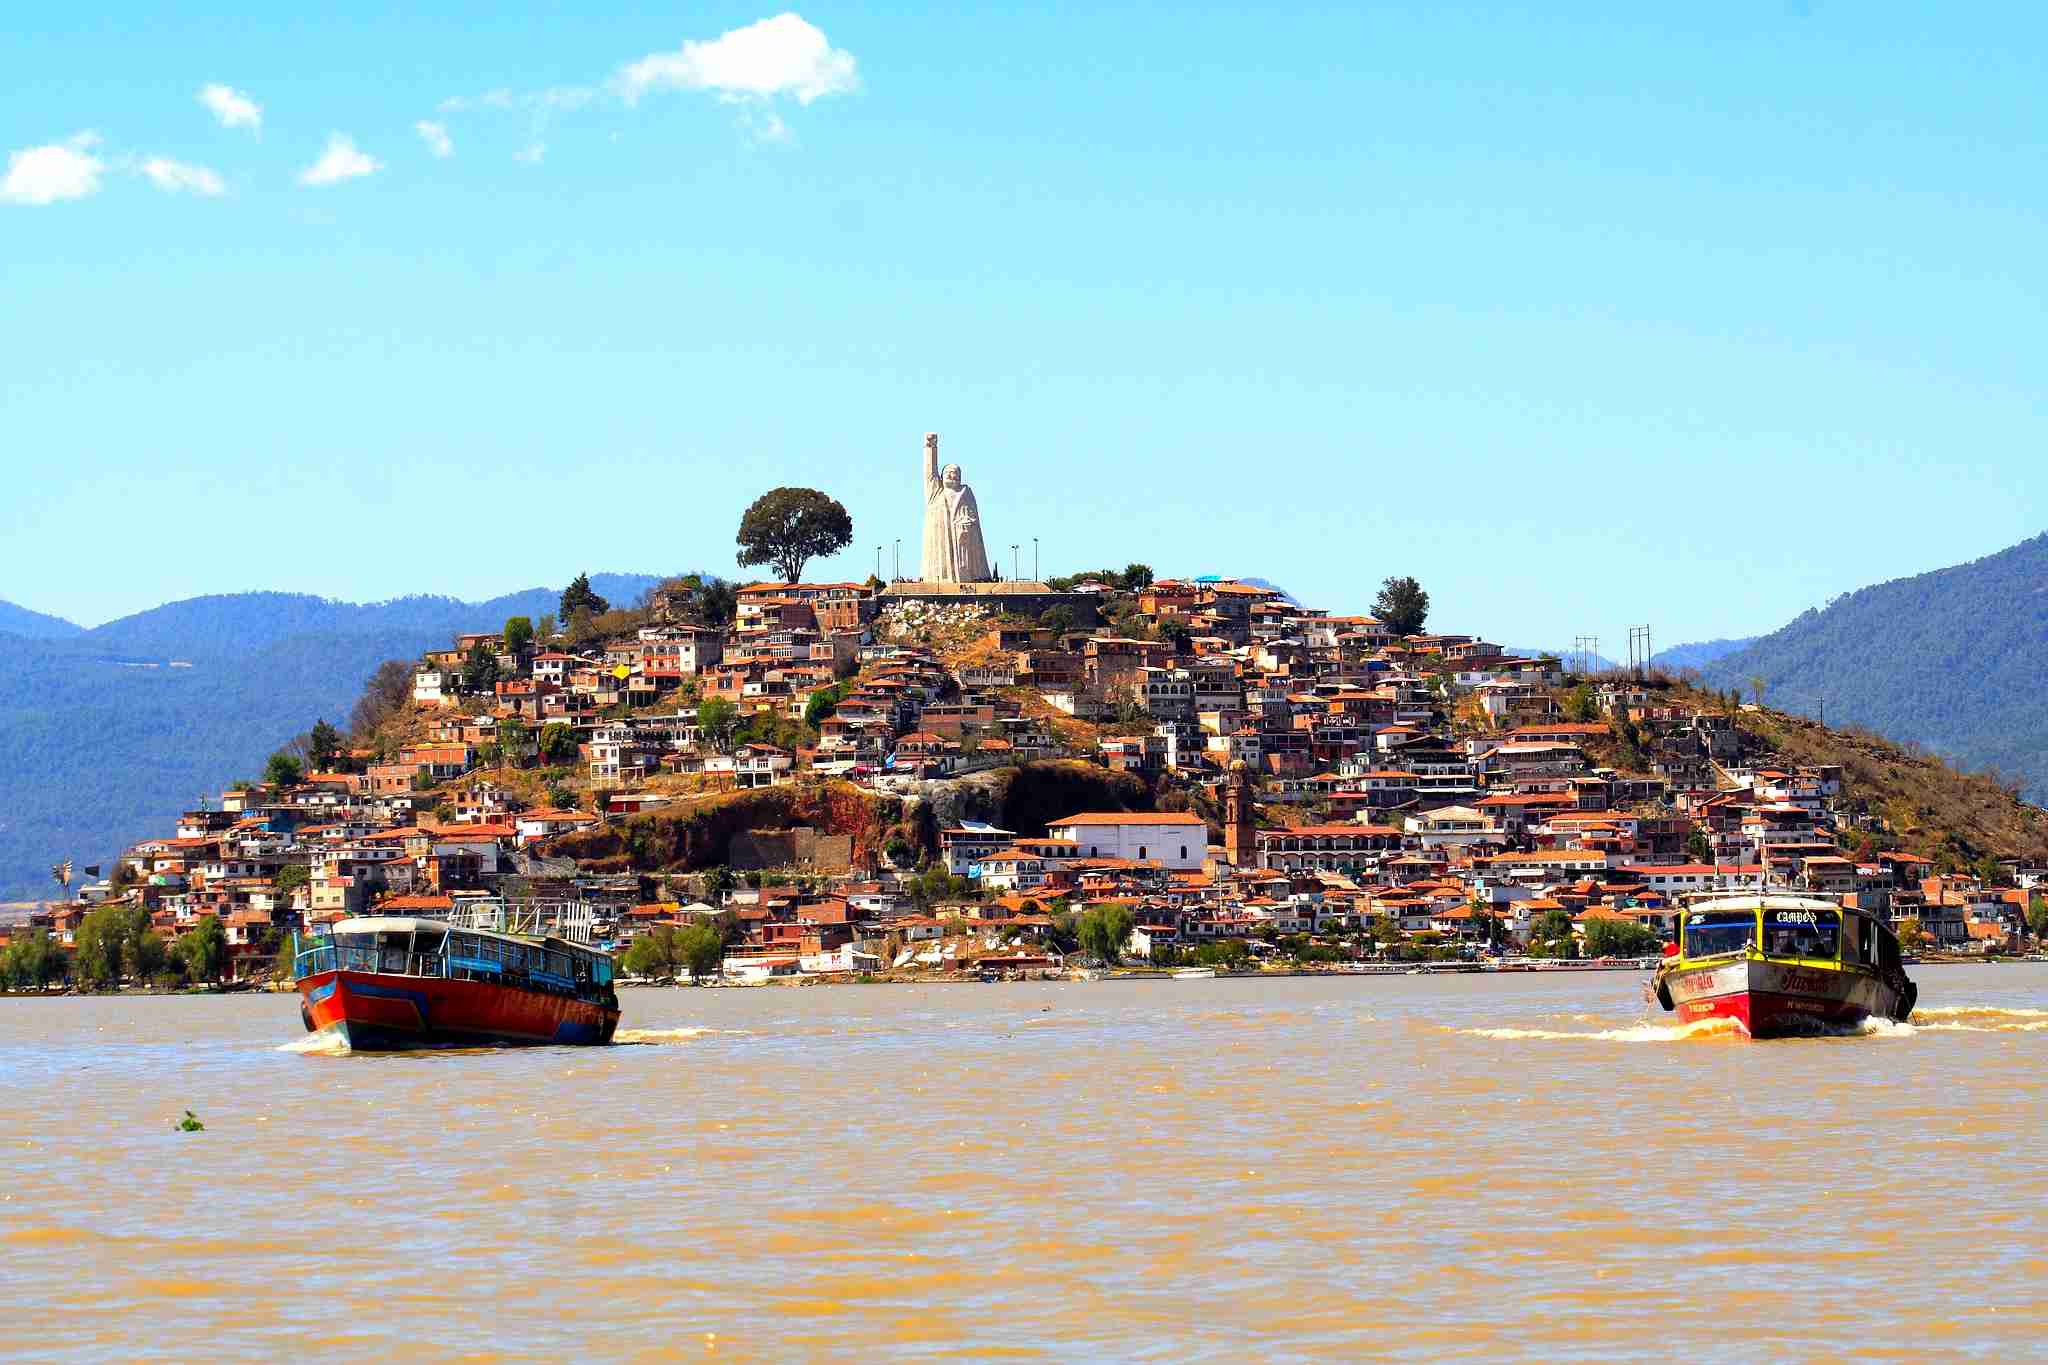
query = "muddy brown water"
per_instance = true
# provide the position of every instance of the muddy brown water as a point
(1464, 1167)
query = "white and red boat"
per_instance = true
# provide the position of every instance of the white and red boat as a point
(493, 977)
(1781, 965)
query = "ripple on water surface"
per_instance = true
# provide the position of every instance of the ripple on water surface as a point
(1224, 1169)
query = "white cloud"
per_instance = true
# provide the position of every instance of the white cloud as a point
(436, 137)
(531, 153)
(341, 161)
(176, 177)
(53, 172)
(784, 55)
(497, 101)
(233, 108)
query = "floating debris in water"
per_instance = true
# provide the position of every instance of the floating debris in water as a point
(190, 1124)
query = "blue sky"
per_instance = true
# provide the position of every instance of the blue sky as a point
(1584, 315)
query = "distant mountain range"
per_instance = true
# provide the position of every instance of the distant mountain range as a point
(34, 625)
(106, 734)
(1697, 655)
(1953, 659)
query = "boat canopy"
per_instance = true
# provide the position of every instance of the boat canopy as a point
(1798, 928)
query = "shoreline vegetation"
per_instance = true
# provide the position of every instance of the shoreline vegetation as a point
(1458, 967)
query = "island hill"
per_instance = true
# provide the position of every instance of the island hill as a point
(832, 779)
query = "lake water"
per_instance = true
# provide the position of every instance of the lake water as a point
(1299, 1168)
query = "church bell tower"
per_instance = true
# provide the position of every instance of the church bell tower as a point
(1240, 831)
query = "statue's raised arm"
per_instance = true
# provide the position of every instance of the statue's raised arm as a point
(931, 463)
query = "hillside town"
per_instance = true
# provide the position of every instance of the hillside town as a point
(1278, 786)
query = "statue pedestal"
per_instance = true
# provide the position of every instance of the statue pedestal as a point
(1018, 597)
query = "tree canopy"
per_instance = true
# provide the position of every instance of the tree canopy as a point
(580, 596)
(1402, 606)
(717, 721)
(1104, 931)
(479, 670)
(1550, 934)
(323, 744)
(116, 941)
(557, 744)
(1620, 938)
(518, 633)
(203, 951)
(786, 528)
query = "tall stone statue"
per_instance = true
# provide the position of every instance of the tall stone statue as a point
(953, 552)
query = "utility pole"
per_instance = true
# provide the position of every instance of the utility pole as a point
(878, 562)
(1639, 651)
(1034, 561)
(1587, 648)
(896, 563)
(1013, 562)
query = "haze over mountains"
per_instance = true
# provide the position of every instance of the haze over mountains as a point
(1953, 659)
(106, 734)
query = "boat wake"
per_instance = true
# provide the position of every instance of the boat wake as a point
(1979, 1019)
(317, 1045)
(644, 1037)
(1633, 1033)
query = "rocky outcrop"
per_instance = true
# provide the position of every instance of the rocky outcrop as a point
(698, 833)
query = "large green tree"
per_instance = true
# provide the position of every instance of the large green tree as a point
(1550, 934)
(557, 744)
(518, 633)
(282, 770)
(786, 528)
(702, 949)
(718, 720)
(513, 737)
(1104, 931)
(479, 670)
(203, 950)
(116, 941)
(31, 961)
(655, 953)
(1402, 606)
(579, 596)
(1620, 938)
(323, 745)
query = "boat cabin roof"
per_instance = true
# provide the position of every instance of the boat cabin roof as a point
(367, 926)
(1752, 902)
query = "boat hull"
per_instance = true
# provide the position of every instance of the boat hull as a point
(1772, 999)
(373, 1012)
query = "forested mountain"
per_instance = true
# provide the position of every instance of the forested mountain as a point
(34, 625)
(1698, 654)
(105, 736)
(1952, 659)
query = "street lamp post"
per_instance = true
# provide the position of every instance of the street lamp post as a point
(1034, 561)
(1013, 563)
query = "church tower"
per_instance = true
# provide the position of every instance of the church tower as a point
(1240, 830)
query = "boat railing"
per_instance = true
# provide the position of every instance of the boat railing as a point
(351, 957)
(574, 921)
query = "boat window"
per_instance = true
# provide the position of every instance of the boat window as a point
(1866, 939)
(1718, 931)
(1803, 933)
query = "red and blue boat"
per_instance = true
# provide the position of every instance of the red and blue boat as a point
(1783, 965)
(391, 983)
